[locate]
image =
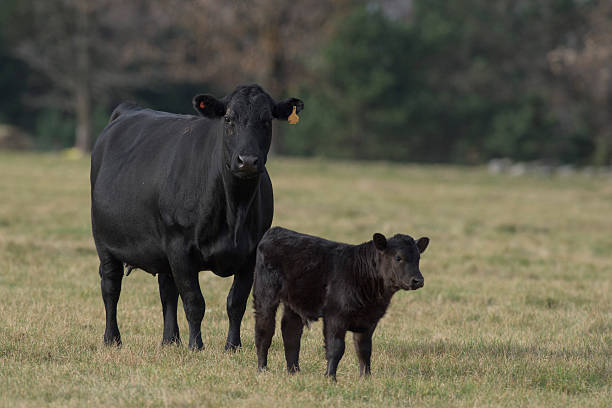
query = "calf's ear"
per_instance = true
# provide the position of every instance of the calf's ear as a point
(283, 109)
(209, 106)
(380, 242)
(422, 244)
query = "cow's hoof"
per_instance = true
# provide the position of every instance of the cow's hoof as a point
(112, 341)
(171, 341)
(232, 347)
(196, 347)
(293, 369)
(332, 377)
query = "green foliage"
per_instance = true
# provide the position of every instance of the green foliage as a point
(12, 72)
(363, 107)
(456, 81)
(523, 130)
(55, 129)
(462, 82)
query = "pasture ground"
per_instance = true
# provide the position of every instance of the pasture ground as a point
(516, 308)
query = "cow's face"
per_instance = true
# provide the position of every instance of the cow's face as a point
(399, 260)
(246, 115)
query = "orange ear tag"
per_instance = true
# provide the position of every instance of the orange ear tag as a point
(293, 118)
(202, 106)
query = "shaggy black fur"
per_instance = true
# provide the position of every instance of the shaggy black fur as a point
(349, 286)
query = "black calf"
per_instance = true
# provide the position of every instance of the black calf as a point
(349, 286)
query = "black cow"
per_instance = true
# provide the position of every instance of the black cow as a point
(349, 286)
(177, 194)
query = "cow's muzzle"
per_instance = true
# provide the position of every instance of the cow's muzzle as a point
(246, 166)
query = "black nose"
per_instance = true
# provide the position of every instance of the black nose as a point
(247, 163)
(417, 283)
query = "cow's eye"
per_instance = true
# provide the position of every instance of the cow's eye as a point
(398, 258)
(227, 119)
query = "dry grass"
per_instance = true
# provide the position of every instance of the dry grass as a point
(516, 309)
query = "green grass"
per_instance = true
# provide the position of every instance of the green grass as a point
(516, 308)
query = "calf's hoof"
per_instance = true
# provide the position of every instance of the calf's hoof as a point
(293, 369)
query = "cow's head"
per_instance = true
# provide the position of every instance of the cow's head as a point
(399, 260)
(246, 116)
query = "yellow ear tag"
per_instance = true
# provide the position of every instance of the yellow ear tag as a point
(293, 118)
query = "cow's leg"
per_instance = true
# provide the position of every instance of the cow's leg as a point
(334, 346)
(292, 328)
(236, 304)
(168, 292)
(186, 280)
(265, 322)
(363, 347)
(111, 274)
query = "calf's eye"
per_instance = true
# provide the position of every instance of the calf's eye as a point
(227, 119)
(398, 258)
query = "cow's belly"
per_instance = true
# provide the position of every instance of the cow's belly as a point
(126, 233)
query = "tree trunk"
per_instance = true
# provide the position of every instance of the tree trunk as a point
(603, 137)
(275, 75)
(82, 88)
(603, 148)
(83, 117)
(276, 85)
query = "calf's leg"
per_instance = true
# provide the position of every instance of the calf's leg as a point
(265, 322)
(334, 346)
(236, 304)
(292, 328)
(168, 292)
(265, 301)
(111, 274)
(363, 347)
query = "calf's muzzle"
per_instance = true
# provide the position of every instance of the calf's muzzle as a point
(416, 283)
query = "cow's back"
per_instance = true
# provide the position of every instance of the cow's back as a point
(138, 140)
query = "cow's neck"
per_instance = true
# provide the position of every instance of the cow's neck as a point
(239, 196)
(235, 195)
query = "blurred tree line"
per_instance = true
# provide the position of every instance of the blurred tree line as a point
(421, 80)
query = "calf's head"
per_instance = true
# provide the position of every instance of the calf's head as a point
(398, 260)
(246, 115)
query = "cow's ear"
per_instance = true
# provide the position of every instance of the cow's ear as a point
(283, 109)
(380, 242)
(422, 244)
(209, 106)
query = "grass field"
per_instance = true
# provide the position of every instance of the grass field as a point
(516, 308)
